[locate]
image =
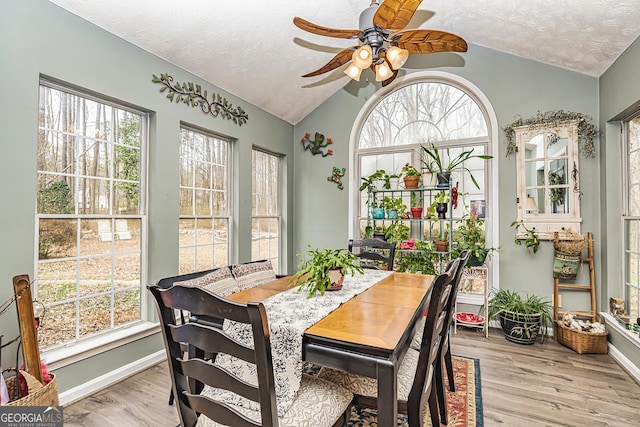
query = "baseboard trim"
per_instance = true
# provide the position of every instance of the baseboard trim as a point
(625, 363)
(110, 378)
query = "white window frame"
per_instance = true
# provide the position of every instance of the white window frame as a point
(547, 223)
(227, 215)
(85, 346)
(277, 216)
(630, 249)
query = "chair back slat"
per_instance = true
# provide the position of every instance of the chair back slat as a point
(212, 339)
(363, 251)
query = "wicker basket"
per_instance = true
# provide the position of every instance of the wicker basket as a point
(579, 341)
(39, 395)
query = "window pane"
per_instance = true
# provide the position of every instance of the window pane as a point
(204, 195)
(89, 163)
(265, 230)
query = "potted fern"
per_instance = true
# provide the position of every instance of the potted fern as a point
(324, 270)
(523, 318)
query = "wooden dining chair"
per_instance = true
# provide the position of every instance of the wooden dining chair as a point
(363, 250)
(451, 304)
(365, 389)
(199, 384)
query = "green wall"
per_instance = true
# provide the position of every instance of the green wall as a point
(619, 96)
(39, 38)
(514, 86)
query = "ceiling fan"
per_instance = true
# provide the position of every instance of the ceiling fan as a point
(384, 46)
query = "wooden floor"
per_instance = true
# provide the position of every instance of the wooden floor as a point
(540, 385)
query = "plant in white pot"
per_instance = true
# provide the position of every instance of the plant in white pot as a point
(324, 270)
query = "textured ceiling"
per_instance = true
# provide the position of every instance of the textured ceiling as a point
(251, 48)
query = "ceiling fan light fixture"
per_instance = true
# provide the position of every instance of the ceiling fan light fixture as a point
(363, 56)
(397, 57)
(353, 71)
(383, 71)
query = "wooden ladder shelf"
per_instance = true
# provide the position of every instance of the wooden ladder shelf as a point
(591, 287)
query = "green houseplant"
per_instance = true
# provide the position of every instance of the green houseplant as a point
(394, 207)
(324, 269)
(470, 235)
(437, 165)
(523, 318)
(530, 240)
(411, 176)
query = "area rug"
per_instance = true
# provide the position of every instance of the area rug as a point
(464, 406)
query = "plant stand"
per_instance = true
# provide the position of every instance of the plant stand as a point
(473, 290)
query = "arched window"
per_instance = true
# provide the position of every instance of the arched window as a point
(419, 110)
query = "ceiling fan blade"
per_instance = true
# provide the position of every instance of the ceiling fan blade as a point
(325, 31)
(395, 14)
(341, 58)
(429, 41)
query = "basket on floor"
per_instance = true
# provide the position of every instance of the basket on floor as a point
(39, 395)
(580, 341)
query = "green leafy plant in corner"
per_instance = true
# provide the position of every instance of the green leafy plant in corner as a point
(509, 301)
(313, 271)
(530, 240)
(470, 235)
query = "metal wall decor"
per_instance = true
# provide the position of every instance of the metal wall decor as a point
(193, 95)
(316, 144)
(336, 176)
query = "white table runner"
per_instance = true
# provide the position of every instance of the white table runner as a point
(289, 313)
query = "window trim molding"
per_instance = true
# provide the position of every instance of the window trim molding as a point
(492, 149)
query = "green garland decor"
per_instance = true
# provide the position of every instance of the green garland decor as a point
(587, 131)
(192, 95)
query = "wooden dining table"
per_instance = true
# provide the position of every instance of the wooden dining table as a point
(367, 335)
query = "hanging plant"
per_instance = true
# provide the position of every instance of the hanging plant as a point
(587, 131)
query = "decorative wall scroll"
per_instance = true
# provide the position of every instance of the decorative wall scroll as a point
(193, 95)
(336, 176)
(316, 144)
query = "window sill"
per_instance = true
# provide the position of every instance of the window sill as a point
(75, 352)
(612, 323)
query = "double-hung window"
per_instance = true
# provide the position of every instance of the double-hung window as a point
(631, 216)
(90, 215)
(266, 216)
(205, 208)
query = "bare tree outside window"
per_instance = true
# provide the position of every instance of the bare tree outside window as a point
(204, 201)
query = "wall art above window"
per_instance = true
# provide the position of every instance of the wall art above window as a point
(193, 95)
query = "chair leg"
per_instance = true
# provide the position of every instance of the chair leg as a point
(449, 362)
(441, 393)
(171, 397)
(433, 408)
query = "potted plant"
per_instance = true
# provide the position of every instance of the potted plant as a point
(442, 241)
(523, 319)
(397, 232)
(324, 270)
(411, 176)
(435, 164)
(441, 201)
(375, 181)
(393, 206)
(391, 181)
(377, 210)
(416, 204)
(530, 237)
(470, 236)
(567, 253)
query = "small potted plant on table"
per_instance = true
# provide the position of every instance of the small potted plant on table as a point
(324, 270)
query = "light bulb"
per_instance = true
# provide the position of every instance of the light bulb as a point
(383, 71)
(397, 57)
(363, 56)
(353, 71)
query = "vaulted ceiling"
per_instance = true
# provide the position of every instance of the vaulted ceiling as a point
(251, 48)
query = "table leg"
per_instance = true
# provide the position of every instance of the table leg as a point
(387, 395)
